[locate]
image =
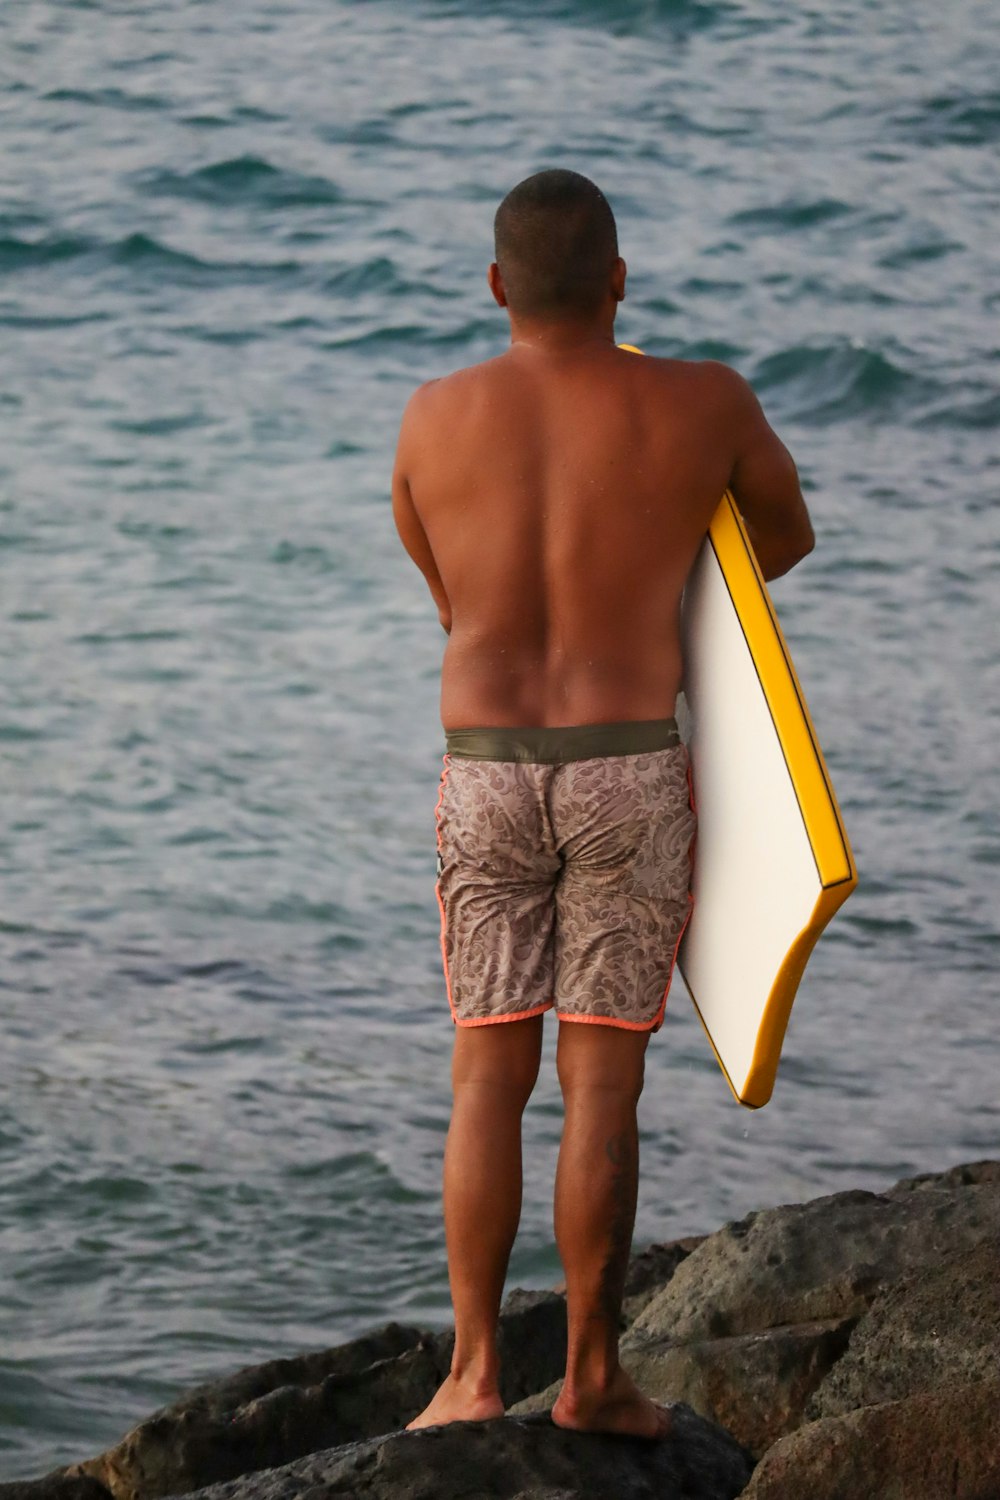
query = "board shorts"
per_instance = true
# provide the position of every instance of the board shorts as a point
(564, 871)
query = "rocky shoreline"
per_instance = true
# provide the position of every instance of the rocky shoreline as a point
(844, 1347)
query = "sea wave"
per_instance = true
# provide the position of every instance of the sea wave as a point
(950, 119)
(246, 179)
(843, 381)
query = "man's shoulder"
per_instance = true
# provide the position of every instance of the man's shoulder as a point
(707, 384)
(705, 372)
(445, 390)
(714, 372)
(461, 379)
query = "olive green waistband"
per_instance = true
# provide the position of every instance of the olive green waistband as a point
(554, 744)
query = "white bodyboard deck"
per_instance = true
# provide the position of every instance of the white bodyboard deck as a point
(772, 860)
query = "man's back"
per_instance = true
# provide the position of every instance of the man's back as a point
(563, 491)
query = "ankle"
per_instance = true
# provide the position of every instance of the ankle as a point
(477, 1371)
(592, 1358)
(594, 1372)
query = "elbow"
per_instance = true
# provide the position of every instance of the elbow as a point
(779, 554)
(784, 557)
(807, 541)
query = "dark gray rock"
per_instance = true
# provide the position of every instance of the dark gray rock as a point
(649, 1271)
(532, 1342)
(510, 1459)
(55, 1486)
(814, 1262)
(266, 1415)
(939, 1328)
(230, 1392)
(757, 1385)
(757, 1317)
(967, 1174)
(938, 1446)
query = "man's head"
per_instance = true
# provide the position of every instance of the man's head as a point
(556, 248)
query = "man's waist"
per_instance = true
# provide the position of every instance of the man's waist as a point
(556, 743)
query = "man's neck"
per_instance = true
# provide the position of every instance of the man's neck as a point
(561, 336)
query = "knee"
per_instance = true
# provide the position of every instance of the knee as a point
(505, 1066)
(504, 1092)
(623, 1083)
(614, 1094)
(611, 1063)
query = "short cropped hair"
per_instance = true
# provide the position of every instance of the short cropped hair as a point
(555, 240)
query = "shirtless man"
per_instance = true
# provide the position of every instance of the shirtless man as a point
(554, 499)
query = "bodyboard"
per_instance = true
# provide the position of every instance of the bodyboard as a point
(772, 858)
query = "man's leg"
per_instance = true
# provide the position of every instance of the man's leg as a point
(600, 1071)
(493, 1072)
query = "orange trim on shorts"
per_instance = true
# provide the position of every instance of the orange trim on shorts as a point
(517, 1015)
(606, 1021)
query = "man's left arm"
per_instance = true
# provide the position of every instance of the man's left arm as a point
(408, 523)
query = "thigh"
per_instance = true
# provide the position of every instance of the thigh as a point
(497, 867)
(625, 826)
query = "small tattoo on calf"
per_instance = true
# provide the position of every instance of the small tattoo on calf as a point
(615, 1147)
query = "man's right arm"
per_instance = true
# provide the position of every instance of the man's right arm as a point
(408, 523)
(765, 485)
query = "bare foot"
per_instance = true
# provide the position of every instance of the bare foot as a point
(458, 1402)
(618, 1407)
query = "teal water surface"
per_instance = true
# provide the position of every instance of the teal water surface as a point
(229, 248)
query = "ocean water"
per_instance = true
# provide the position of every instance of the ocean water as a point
(230, 245)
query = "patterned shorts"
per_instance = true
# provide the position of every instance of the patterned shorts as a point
(564, 871)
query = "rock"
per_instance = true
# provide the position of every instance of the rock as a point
(538, 1401)
(814, 1262)
(939, 1328)
(55, 1486)
(267, 1414)
(649, 1271)
(757, 1316)
(510, 1459)
(728, 1334)
(229, 1393)
(941, 1445)
(968, 1174)
(532, 1342)
(756, 1385)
